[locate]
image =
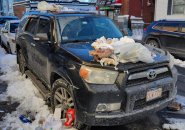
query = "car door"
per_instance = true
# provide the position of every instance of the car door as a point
(180, 43)
(27, 41)
(170, 36)
(4, 35)
(42, 47)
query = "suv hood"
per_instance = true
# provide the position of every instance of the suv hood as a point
(81, 51)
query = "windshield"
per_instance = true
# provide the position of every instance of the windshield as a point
(3, 20)
(87, 28)
(13, 27)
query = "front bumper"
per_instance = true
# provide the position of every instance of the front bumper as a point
(132, 99)
(121, 118)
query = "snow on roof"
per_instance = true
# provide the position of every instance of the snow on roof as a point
(14, 21)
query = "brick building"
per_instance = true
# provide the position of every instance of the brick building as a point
(139, 8)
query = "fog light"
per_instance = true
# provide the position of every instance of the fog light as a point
(101, 107)
(108, 107)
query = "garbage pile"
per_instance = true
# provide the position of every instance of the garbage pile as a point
(44, 6)
(113, 51)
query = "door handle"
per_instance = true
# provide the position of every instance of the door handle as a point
(32, 44)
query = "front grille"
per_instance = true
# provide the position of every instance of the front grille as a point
(146, 80)
(141, 103)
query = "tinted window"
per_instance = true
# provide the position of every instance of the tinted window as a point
(158, 26)
(7, 26)
(87, 28)
(171, 27)
(31, 26)
(13, 27)
(3, 20)
(23, 21)
(44, 29)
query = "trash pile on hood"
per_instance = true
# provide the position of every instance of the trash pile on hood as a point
(112, 51)
(44, 6)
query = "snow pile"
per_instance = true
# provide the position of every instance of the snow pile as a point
(176, 124)
(23, 91)
(179, 62)
(44, 6)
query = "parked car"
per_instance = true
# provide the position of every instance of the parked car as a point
(8, 35)
(3, 20)
(168, 35)
(53, 50)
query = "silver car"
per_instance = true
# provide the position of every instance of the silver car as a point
(8, 35)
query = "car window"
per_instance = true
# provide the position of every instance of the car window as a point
(87, 28)
(43, 31)
(3, 20)
(171, 27)
(31, 26)
(158, 26)
(23, 22)
(13, 27)
(6, 26)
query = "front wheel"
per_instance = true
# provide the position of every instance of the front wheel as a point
(62, 98)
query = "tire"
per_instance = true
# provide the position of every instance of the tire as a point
(9, 49)
(62, 98)
(153, 43)
(21, 61)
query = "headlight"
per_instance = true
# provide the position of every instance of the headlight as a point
(98, 76)
(172, 61)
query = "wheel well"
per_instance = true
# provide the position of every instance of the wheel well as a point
(17, 50)
(54, 76)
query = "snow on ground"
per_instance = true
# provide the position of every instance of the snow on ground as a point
(179, 62)
(176, 124)
(23, 91)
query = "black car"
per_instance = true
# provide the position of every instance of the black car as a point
(168, 35)
(53, 50)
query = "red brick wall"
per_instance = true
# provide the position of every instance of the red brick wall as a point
(19, 10)
(125, 7)
(135, 8)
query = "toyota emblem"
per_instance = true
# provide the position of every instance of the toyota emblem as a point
(151, 74)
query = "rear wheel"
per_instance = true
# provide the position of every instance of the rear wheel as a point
(62, 98)
(153, 43)
(9, 48)
(21, 62)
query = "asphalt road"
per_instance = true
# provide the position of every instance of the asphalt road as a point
(153, 122)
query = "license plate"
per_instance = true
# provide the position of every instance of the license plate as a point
(153, 94)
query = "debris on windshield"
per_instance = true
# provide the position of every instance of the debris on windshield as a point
(44, 6)
(112, 51)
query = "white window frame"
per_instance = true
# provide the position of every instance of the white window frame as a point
(173, 8)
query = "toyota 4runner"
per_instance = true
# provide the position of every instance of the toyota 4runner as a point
(53, 50)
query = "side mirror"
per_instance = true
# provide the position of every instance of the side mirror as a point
(41, 37)
(4, 30)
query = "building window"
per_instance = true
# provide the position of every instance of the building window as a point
(178, 7)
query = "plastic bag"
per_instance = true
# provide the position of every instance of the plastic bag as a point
(52, 123)
(44, 6)
(134, 52)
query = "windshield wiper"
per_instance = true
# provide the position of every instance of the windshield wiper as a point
(77, 41)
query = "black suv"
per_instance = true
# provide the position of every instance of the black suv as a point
(168, 35)
(53, 50)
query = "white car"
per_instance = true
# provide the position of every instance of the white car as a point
(8, 35)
